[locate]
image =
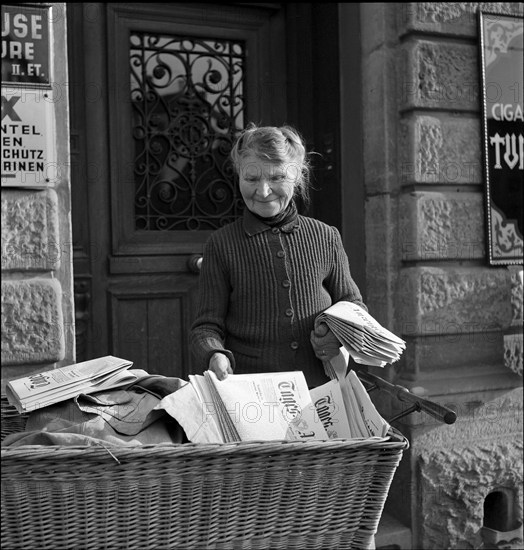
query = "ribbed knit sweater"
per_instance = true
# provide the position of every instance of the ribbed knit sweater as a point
(261, 289)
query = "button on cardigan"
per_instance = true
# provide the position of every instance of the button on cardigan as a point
(260, 291)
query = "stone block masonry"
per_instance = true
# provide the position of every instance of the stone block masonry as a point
(30, 239)
(32, 322)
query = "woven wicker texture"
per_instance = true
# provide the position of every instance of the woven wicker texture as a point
(249, 495)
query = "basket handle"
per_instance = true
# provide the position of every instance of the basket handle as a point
(441, 413)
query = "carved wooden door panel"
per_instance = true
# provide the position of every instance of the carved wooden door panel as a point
(162, 92)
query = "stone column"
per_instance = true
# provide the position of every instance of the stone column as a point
(428, 278)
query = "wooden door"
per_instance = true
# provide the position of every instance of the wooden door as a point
(158, 93)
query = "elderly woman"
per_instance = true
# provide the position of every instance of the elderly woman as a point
(266, 276)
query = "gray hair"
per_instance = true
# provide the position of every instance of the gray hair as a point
(275, 144)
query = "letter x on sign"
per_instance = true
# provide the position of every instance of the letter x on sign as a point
(8, 108)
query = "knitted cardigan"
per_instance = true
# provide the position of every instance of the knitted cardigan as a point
(261, 289)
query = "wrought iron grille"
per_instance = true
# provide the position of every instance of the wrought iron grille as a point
(187, 97)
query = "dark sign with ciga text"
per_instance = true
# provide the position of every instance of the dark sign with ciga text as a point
(25, 44)
(502, 85)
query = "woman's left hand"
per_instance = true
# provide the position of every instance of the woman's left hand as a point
(324, 342)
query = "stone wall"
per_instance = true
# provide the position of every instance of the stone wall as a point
(37, 284)
(427, 273)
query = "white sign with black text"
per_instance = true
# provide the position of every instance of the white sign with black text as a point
(28, 138)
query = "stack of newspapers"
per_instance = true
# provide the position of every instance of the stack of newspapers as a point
(273, 406)
(366, 341)
(345, 408)
(47, 388)
(245, 407)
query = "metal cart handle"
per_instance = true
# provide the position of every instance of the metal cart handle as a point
(441, 413)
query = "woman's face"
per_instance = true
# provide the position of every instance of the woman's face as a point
(267, 187)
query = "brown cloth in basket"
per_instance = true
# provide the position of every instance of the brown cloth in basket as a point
(117, 417)
(158, 385)
(128, 412)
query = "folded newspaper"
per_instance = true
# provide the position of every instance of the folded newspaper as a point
(344, 406)
(366, 340)
(245, 407)
(272, 406)
(47, 388)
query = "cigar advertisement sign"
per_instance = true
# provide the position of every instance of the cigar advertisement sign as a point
(502, 61)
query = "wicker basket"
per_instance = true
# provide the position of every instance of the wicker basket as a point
(249, 495)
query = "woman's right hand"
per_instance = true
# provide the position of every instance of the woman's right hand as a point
(220, 365)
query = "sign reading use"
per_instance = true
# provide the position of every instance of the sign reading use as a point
(25, 44)
(502, 85)
(28, 133)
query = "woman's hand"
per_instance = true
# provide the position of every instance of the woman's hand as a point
(220, 365)
(324, 342)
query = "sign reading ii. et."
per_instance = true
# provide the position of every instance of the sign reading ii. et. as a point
(25, 45)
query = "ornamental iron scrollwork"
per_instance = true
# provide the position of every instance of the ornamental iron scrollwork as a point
(187, 96)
